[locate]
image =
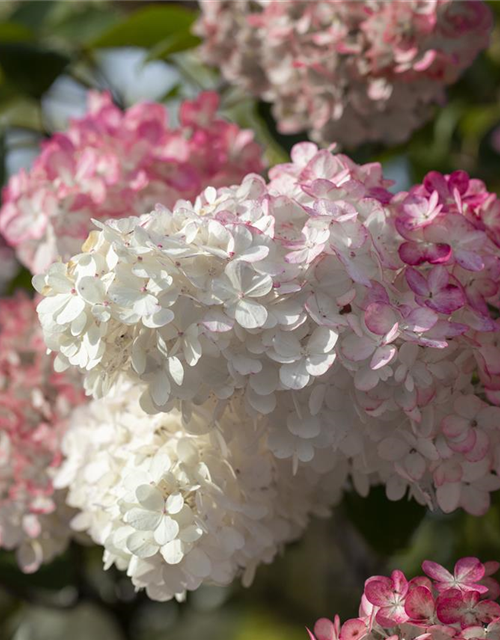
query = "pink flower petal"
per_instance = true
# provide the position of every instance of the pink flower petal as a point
(487, 611)
(436, 571)
(455, 426)
(399, 581)
(420, 581)
(421, 320)
(438, 253)
(378, 590)
(459, 180)
(449, 606)
(491, 567)
(419, 604)
(438, 279)
(324, 629)
(417, 282)
(481, 447)
(469, 570)
(412, 253)
(469, 260)
(435, 181)
(354, 629)
(382, 356)
(380, 318)
(356, 349)
(464, 445)
(447, 300)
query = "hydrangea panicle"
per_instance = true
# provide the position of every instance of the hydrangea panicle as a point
(35, 403)
(351, 71)
(180, 504)
(422, 607)
(111, 164)
(296, 298)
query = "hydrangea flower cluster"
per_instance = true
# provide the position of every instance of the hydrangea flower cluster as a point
(437, 606)
(358, 328)
(354, 322)
(177, 504)
(353, 71)
(35, 404)
(111, 164)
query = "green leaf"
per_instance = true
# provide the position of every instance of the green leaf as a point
(78, 23)
(147, 28)
(247, 115)
(32, 13)
(15, 32)
(21, 281)
(264, 111)
(478, 120)
(175, 43)
(31, 68)
(171, 94)
(20, 111)
(269, 627)
(386, 526)
(51, 577)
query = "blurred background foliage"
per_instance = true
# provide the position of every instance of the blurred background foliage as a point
(51, 54)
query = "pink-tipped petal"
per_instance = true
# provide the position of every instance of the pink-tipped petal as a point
(324, 629)
(469, 570)
(419, 604)
(417, 283)
(379, 590)
(450, 606)
(436, 571)
(380, 318)
(354, 629)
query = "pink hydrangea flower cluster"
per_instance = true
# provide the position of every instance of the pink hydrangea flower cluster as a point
(350, 71)
(111, 164)
(35, 404)
(359, 330)
(437, 606)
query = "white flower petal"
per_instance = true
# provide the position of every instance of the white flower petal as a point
(173, 552)
(322, 340)
(141, 544)
(142, 519)
(174, 503)
(294, 376)
(160, 388)
(149, 497)
(91, 289)
(250, 314)
(166, 531)
(159, 318)
(198, 563)
(176, 369)
(71, 311)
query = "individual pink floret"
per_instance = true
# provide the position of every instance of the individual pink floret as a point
(468, 572)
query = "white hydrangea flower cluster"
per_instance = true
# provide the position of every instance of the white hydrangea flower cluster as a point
(179, 504)
(349, 323)
(216, 298)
